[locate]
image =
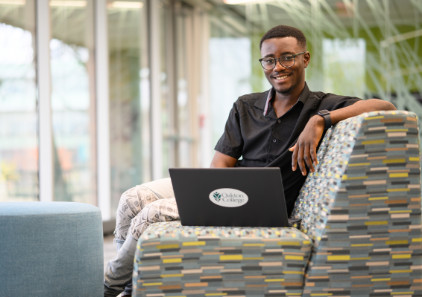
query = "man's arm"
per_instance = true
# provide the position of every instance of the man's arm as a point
(221, 160)
(304, 151)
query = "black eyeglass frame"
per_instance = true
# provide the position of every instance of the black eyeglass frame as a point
(280, 61)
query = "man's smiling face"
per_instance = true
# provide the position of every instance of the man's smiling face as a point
(285, 80)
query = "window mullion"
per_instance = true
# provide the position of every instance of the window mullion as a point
(43, 33)
(102, 108)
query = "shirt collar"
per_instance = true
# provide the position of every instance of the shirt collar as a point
(302, 98)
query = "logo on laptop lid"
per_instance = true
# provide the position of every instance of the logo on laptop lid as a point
(227, 197)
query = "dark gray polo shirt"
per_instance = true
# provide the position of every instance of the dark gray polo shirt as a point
(256, 137)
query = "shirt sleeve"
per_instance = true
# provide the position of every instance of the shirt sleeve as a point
(333, 102)
(231, 142)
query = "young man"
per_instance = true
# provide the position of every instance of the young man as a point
(281, 127)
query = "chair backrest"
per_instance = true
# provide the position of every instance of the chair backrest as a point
(368, 167)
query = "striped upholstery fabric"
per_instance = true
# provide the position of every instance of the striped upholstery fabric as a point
(175, 260)
(362, 208)
(361, 222)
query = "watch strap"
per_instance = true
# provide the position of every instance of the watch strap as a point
(325, 114)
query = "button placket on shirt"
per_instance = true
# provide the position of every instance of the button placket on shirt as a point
(278, 122)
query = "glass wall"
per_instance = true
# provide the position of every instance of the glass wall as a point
(73, 100)
(167, 82)
(186, 102)
(230, 68)
(362, 48)
(129, 88)
(153, 60)
(18, 102)
(181, 54)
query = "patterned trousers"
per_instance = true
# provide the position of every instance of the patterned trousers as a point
(143, 205)
(138, 208)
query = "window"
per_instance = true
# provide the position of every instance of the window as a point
(129, 89)
(73, 100)
(18, 103)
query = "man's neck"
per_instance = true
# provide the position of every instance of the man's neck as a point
(282, 102)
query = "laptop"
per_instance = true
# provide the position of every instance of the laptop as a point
(240, 196)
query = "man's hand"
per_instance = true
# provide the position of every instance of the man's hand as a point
(305, 149)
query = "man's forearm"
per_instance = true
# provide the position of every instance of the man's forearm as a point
(358, 108)
(304, 151)
(221, 160)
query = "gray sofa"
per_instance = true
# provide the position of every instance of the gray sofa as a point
(360, 231)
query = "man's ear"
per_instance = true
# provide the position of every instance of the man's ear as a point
(306, 58)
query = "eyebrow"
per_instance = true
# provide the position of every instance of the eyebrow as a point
(282, 54)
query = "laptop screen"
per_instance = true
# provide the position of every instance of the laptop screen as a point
(240, 196)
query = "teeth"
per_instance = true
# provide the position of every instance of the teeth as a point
(281, 77)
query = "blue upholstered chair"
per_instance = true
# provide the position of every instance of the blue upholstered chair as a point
(50, 249)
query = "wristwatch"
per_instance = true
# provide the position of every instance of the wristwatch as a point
(327, 118)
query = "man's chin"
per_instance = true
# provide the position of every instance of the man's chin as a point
(282, 90)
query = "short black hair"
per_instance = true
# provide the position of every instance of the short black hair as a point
(281, 31)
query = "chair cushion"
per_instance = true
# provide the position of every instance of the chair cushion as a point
(171, 258)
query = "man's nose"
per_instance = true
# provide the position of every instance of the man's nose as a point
(278, 65)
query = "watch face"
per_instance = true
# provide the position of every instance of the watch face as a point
(323, 112)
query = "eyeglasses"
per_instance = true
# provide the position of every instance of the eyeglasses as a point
(286, 61)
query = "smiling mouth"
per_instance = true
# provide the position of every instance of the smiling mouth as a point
(280, 77)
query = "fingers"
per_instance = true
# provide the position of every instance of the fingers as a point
(294, 157)
(311, 157)
(304, 156)
(304, 151)
(298, 159)
(314, 156)
(308, 159)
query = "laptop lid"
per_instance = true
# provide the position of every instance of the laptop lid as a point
(241, 196)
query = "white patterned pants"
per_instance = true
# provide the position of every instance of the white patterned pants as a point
(138, 207)
(142, 205)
